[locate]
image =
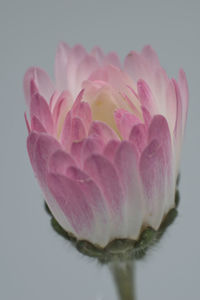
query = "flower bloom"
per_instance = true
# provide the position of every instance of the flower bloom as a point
(104, 140)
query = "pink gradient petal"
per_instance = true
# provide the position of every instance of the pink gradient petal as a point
(97, 204)
(36, 125)
(72, 202)
(110, 149)
(44, 147)
(113, 59)
(150, 55)
(83, 111)
(27, 123)
(126, 162)
(102, 131)
(86, 67)
(59, 162)
(61, 64)
(31, 143)
(138, 137)
(41, 81)
(153, 173)
(105, 176)
(61, 106)
(40, 109)
(125, 121)
(184, 91)
(145, 96)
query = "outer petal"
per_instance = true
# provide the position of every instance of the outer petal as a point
(59, 162)
(40, 109)
(138, 137)
(153, 174)
(126, 162)
(42, 82)
(97, 203)
(73, 203)
(36, 125)
(105, 176)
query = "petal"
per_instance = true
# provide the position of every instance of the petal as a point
(73, 203)
(113, 59)
(36, 125)
(41, 81)
(150, 55)
(45, 146)
(110, 149)
(126, 162)
(59, 162)
(102, 131)
(183, 86)
(125, 121)
(97, 203)
(153, 173)
(145, 96)
(103, 173)
(31, 143)
(83, 111)
(138, 137)
(27, 123)
(40, 109)
(62, 58)
(86, 67)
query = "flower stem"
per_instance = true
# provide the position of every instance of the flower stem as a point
(123, 274)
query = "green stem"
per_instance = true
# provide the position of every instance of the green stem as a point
(123, 274)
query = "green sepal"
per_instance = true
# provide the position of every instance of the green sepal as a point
(120, 249)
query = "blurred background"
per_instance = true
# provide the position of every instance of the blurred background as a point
(34, 262)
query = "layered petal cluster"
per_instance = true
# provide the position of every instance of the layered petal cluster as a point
(104, 140)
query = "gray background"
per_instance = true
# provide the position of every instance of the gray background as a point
(34, 262)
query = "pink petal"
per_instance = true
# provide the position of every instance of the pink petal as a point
(83, 111)
(113, 59)
(105, 176)
(27, 123)
(110, 149)
(135, 65)
(150, 55)
(61, 64)
(125, 121)
(78, 131)
(73, 131)
(59, 162)
(31, 143)
(183, 87)
(91, 146)
(44, 147)
(138, 137)
(41, 81)
(40, 109)
(86, 67)
(102, 131)
(62, 104)
(126, 162)
(72, 202)
(153, 174)
(36, 125)
(97, 204)
(145, 96)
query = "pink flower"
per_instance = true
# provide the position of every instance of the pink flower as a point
(104, 140)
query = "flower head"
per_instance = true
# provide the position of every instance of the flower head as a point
(104, 141)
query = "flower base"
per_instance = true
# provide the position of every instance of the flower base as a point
(120, 249)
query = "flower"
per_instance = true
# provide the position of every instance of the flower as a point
(104, 141)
